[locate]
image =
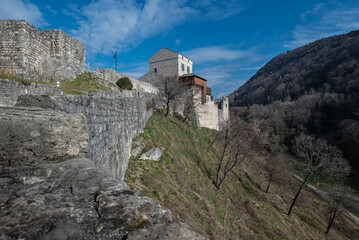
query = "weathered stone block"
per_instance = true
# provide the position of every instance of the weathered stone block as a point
(31, 136)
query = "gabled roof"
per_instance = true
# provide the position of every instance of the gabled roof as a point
(163, 48)
(192, 75)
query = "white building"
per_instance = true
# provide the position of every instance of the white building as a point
(207, 112)
(170, 63)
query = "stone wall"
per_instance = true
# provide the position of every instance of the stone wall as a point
(169, 63)
(25, 51)
(109, 78)
(112, 123)
(11, 90)
(223, 111)
(206, 114)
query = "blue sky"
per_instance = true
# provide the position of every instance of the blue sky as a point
(227, 40)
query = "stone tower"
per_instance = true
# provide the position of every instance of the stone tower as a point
(29, 53)
(170, 63)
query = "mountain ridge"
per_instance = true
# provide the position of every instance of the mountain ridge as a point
(326, 65)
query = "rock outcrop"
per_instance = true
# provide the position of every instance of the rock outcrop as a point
(48, 190)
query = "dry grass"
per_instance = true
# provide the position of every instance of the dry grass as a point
(240, 209)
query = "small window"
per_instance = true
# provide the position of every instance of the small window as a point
(182, 67)
(155, 70)
(188, 69)
(226, 105)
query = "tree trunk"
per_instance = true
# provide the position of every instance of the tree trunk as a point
(167, 110)
(297, 195)
(331, 219)
(269, 182)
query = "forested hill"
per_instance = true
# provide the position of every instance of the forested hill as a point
(327, 65)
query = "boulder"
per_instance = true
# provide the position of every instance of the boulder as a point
(166, 231)
(129, 210)
(30, 136)
(153, 154)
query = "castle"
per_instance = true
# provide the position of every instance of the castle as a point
(29, 53)
(53, 55)
(207, 112)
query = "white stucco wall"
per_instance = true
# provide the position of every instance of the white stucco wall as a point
(206, 114)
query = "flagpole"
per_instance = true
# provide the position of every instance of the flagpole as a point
(116, 59)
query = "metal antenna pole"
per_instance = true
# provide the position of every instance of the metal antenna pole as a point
(116, 59)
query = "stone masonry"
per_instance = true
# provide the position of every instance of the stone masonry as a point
(112, 122)
(169, 63)
(29, 53)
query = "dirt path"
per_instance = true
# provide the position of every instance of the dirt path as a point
(352, 201)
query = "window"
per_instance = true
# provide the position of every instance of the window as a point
(188, 69)
(182, 67)
(155, 70)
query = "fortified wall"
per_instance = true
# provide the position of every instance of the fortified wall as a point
(113, 120)
(29, 53)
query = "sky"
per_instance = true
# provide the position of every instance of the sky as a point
(228, 41)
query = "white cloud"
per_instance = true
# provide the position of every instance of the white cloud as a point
(21, 9)
(178, 42)
(105, 25)
(216, 53)
(110, 24)
(324, 20)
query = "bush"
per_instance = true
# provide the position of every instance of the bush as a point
(124, 83)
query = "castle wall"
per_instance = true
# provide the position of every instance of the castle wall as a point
(25, 51)
(11, 90)
(113, 120)
(223, 111)
(206, 115)
(22, 48)
(65, 46)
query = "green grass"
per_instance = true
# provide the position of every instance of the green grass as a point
(6, 75)
(326, 183)
(182, 171)
(82, 84)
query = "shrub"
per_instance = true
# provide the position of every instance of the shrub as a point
(124, 83)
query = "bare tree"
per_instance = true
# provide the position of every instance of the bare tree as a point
(336, 200)
(319, 157)
(172, 89)
(274, 167)
(235, 143)
(188, 107)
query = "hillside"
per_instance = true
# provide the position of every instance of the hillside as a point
(241, 209)
(326, 65)
(313, 89)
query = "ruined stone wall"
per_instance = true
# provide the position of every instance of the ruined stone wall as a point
(25, 51)
(65, 46)
(112, 123)
(11, 90)
(205, 115)
(22, 48)
(223, 111)
(109, 77)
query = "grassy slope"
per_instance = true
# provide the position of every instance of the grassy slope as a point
(241, 209)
